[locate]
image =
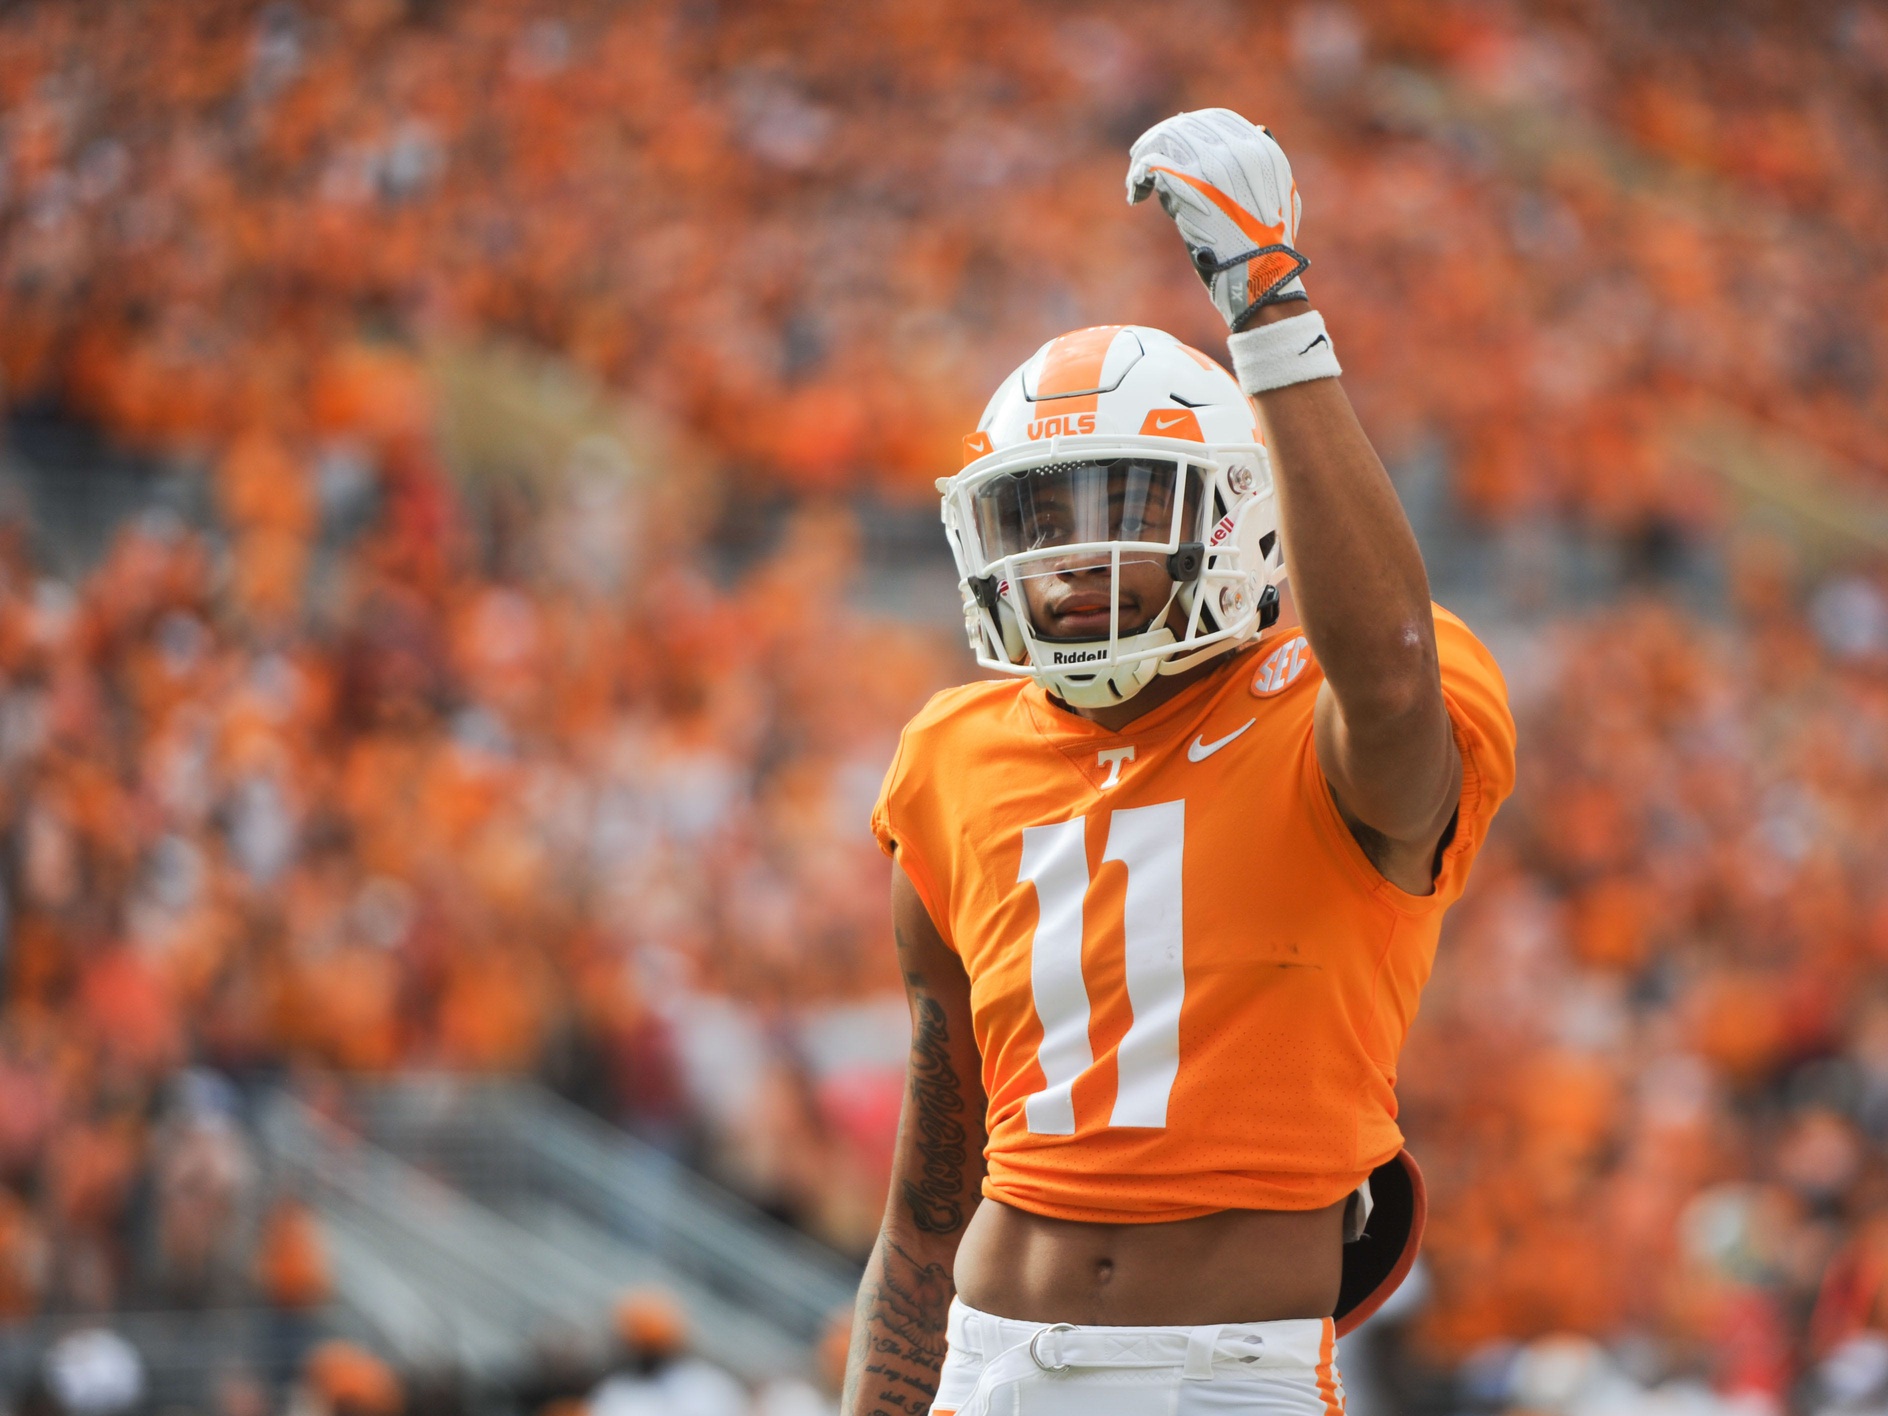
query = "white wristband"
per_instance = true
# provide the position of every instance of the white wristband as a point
(1283, 352)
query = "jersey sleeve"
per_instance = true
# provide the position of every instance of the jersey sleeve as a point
(1477, 699)
(898, 819)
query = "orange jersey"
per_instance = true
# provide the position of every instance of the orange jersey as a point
(1189, 985)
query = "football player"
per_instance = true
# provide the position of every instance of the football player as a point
(1168, 886)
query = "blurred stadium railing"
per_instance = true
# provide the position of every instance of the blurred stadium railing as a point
(471, 1220)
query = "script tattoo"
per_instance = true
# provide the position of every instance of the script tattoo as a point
(898, 1343)
(937, 1104)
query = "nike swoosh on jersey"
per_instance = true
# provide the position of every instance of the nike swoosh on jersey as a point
(1199, 750)
(1160, 422)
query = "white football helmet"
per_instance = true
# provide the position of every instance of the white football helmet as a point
(1114, 446)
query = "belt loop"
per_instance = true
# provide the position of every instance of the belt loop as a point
(985, 1333)
(1200, 1344)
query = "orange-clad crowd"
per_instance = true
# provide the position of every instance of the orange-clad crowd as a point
(390, 770)
(474, 824)
(1648, 1084)
(1545, 231)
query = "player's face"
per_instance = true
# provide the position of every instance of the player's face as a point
(1068, 596)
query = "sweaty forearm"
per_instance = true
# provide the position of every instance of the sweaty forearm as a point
(1357, 576)
(1362, 596)
(898, 1327)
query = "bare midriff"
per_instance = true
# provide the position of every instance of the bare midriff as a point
(1233, 1266)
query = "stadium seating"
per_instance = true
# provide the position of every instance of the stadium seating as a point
(442, 747)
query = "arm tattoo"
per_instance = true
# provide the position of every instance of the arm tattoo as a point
(898, 1336)
(899, 1326)
(935, 1198)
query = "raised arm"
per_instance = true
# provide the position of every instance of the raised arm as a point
(1362, 596)
(1357, 578)
(937, 1174)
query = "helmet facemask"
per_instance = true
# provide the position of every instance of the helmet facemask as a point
(1094, 573)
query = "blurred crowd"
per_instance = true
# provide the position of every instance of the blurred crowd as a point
(822, 244)
(479, 822)
(463, 818)
(1650, 1081)
(647, 1366)
(392, 767)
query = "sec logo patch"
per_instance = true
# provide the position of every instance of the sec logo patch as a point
(1282, 667)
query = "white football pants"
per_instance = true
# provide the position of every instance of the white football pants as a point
(1000, 1367)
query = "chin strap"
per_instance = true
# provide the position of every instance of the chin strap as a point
(1103, 688)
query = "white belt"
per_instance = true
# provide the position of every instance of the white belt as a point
(1052, 1349)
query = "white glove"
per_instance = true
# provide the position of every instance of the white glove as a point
(1228, 187)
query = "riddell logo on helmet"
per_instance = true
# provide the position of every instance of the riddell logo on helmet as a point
(1080, 656)
(1221, 531)
(1062, 425)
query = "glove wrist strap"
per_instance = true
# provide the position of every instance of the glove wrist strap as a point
(1282, 353)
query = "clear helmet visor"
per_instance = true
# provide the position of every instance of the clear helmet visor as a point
(1082, 539)
(1070, 504)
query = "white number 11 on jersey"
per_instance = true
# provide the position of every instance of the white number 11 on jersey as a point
(1151, 842)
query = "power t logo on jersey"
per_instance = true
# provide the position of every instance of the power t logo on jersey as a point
(1112, 758)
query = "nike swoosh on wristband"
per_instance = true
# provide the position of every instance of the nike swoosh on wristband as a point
(1199, 750)
(1321, 339)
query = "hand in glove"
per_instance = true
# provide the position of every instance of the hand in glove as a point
(1228, 187)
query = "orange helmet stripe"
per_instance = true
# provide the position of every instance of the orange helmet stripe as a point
(1072, 365)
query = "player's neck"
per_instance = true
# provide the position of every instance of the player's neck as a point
(1162, 689)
